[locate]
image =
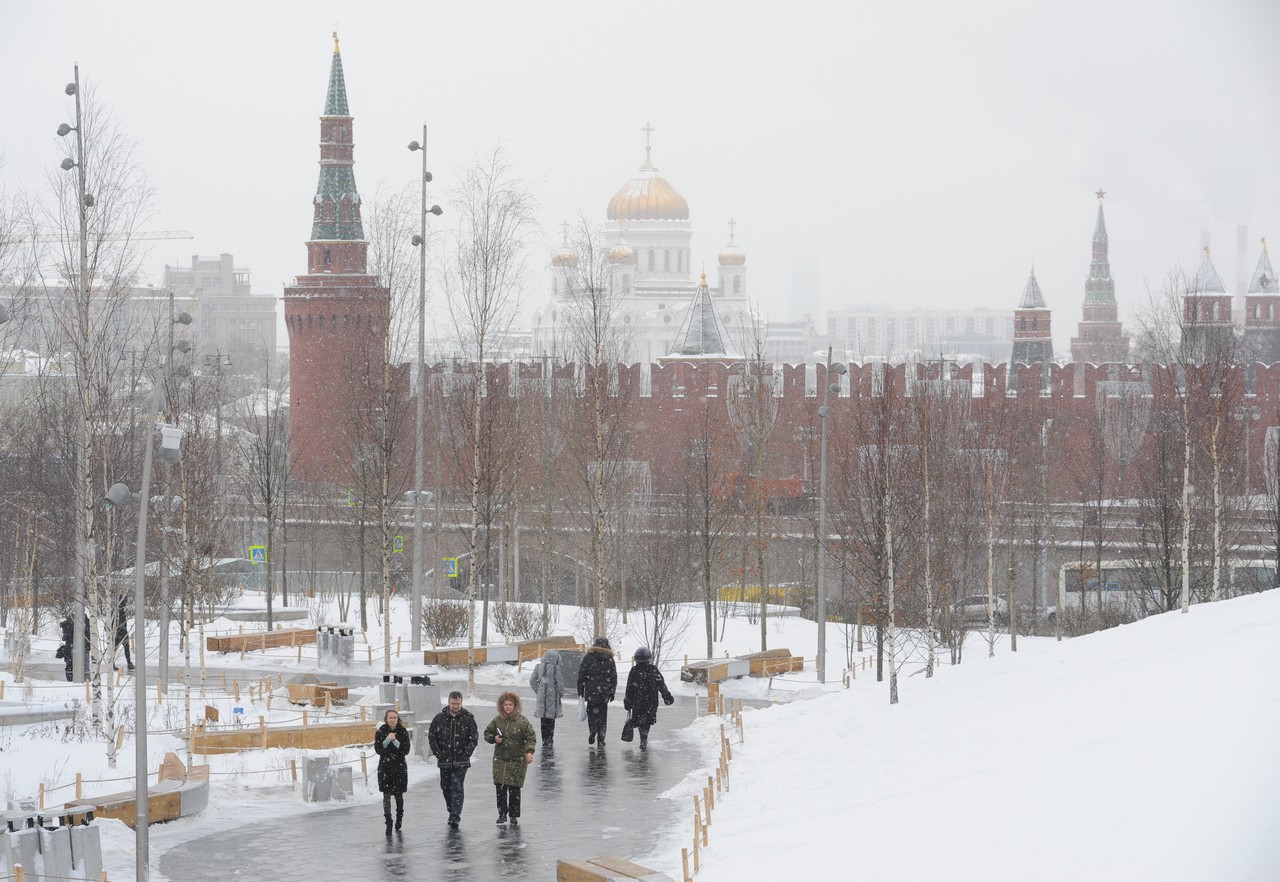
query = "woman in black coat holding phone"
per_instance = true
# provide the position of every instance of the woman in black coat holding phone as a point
(391, 743)
(644, 685)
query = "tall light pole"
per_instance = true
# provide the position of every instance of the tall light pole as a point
(117, 495)
(823, 412)
(83, 532)
(420, 240)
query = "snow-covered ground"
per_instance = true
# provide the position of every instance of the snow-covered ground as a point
(1143, 752)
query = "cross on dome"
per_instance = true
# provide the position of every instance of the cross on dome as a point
(732, 223)
(648, 130)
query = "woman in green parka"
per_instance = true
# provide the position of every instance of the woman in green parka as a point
(515, 741)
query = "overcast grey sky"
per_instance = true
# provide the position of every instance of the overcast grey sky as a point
(923, 153)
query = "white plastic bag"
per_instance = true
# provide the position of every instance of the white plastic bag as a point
(582, 708)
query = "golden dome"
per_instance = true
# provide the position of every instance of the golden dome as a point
(648, 196)
(732, 254)
(622, 254)
(566, 257)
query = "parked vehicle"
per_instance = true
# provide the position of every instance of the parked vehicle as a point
(973, 609)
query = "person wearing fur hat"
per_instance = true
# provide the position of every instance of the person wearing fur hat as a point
(514, 742)
(644, 684)
(391, 743)
(598, 685)
(547, 686)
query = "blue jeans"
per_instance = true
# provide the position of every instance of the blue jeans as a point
(451, 785)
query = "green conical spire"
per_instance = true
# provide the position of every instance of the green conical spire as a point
(335, 102)
(337, 202)
(1100, 288)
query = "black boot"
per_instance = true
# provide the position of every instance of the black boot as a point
(591, 739)
(388, 820)
(399, 818)
(502, 817)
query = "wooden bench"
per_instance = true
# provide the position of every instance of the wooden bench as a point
(317, 736)
(317, 694)
(772, 661)
(604, 869)
(261, 640)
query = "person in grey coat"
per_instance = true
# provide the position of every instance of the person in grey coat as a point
(547, 685)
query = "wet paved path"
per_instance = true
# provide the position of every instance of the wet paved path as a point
(578, 801)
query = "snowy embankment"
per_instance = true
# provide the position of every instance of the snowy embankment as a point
(1143, 752)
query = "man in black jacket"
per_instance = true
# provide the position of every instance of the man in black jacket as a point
(453, 737)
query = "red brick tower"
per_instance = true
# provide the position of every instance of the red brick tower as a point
(1102, 339)
(1207, 328)
(1262, 312)
(1032, 335)
(337, 313)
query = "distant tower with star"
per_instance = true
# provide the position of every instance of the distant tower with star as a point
(1101, 337)
(337, 312)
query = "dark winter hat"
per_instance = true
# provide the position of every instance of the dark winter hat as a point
(602, 642)
(644, 654)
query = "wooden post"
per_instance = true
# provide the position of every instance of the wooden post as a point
(102, 877)
(159, 690)
(41, 803)
(364, 765)
(398, 640)
(19, 874)
(719, 788)
(697, 843)
(370, 648)
(328, 701)
(711, 796)
(713, 696)
(293, 770)
(262, 731)
(79, 794)
(1, 690)
(299, 653)
(224, 681)
(363, 710)
(235, 689)
(304, 719)
(120, 735)
(684, 863)
(269, 697)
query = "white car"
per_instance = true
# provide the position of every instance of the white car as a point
(973, 609)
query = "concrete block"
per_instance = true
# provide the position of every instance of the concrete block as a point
(508, 652)
(316, 779)
(380, 711)
(56, 845)
(424, 701)
(343, 787)
(25, 844)
(6, 853)
(570, 662)
(387, 694)
(86, 850)
(421, 744)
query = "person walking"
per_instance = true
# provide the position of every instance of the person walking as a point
(122, 626)
(644, 684)
(547, 688)
(453, 737)
(391, 743)
(598, 685)
(515, 743)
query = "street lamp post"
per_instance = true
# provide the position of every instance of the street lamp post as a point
(824, 412)
(171, 437)
(83, 550)
(420, 240)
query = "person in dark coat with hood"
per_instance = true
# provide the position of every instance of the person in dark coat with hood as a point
(453, 737)
(598, 685)
(391, 743)
(644, 685)
(547, 686)
(515, 743)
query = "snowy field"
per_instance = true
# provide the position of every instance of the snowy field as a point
(1144, 752)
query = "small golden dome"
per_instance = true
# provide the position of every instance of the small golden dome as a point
(732, 254)
(567, 257)
(622, 254)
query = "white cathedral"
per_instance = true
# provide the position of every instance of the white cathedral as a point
(648, 234)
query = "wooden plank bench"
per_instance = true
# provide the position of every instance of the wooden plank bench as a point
(259, 641)
(317, 736)
(316, 694)
(772, 661)
(604, 869)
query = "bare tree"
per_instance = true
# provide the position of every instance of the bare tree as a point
(264, 453)
(483, 279)
(598, 341)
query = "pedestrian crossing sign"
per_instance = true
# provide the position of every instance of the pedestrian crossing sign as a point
(397, 544)
(451, 567)
(257, 554)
